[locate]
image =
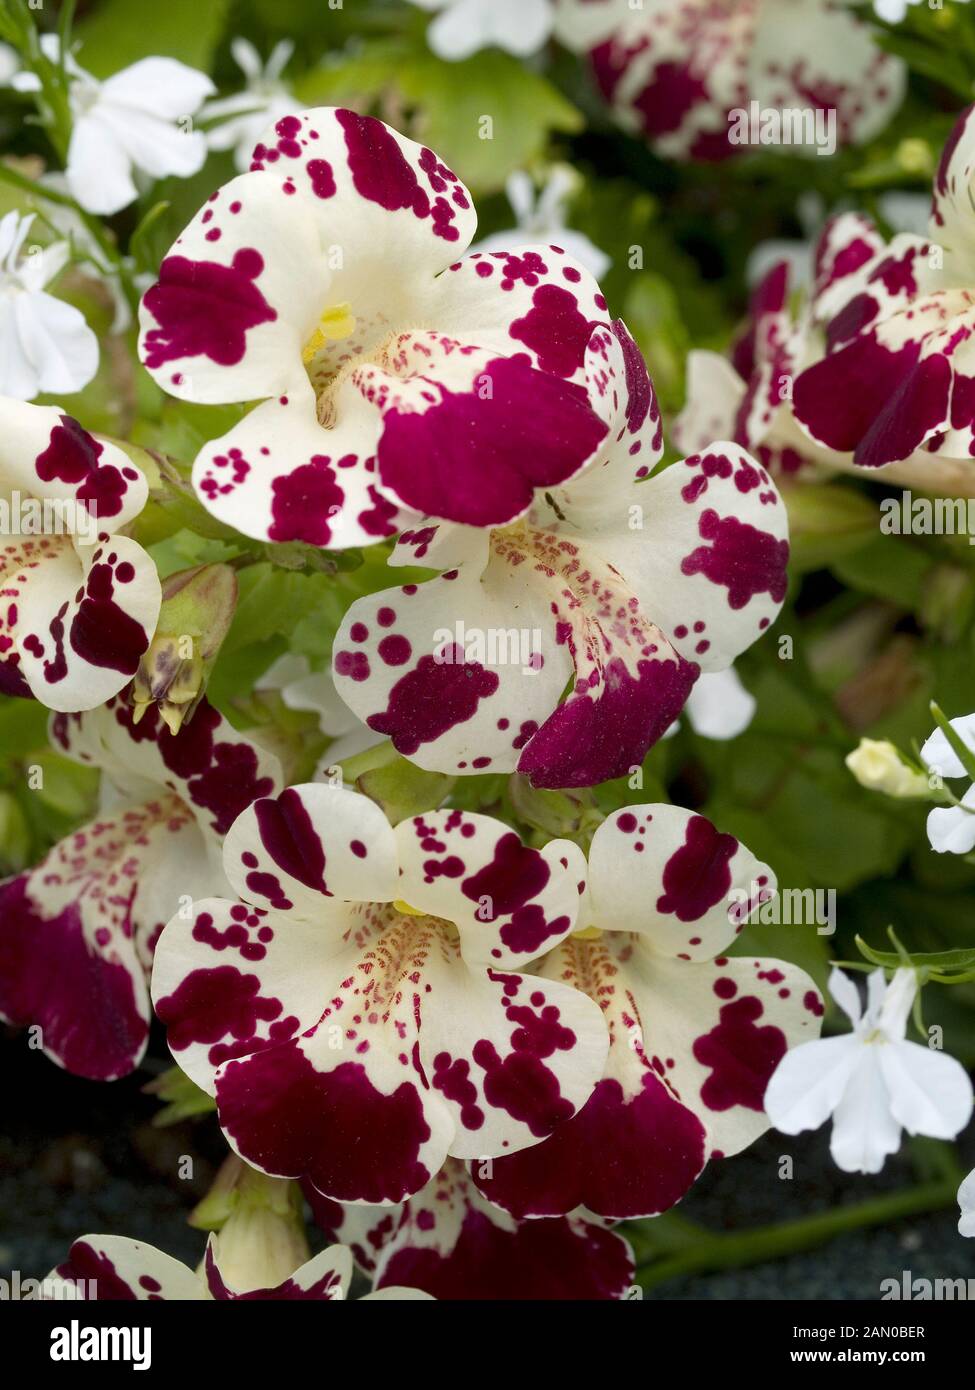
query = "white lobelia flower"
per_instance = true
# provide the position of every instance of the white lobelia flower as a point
(966, 1200)
(872, 1081)
(542, 217)
(265, 99)
(462, 27)
(314, 692)
(893, 11)
(45, 344)
(130, 123)
(80, 599)
(951, 829)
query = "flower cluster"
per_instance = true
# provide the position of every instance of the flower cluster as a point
(364, 623)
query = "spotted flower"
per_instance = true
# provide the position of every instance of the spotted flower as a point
(898, 373)
(451, 1242)
(395, 381)
(114, 1269)
(360, 1011)
(77, 932)
(675, 70)
(241, 119)
(618, 586)
(78, 602)
(542, 215)
(694, 1034)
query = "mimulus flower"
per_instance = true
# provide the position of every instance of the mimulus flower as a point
(747, 396)
(78, 603)
(621, 586)
(243, 118)
(78, 930)
(126, 125)
(674, 70)
(124, 1270)
(392, 387)
(358, 1013)
(951, 829)
(966, 1200)
(464, 26)
(694, 1035)
(898, 371)
(872, 1081)
(542, 217)
(46, 343)
(452, 1243)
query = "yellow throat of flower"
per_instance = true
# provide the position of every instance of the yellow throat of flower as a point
(336, 323)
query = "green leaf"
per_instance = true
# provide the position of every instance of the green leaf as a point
(485, 116)
(118, 32)
(937, 961)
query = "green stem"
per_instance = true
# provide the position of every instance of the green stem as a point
(741, 1249)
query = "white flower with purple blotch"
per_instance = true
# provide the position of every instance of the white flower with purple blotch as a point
(80, 600)
(242, 119)
(78, 930)
(627, 586)
(360, 1011)
(694, 1034)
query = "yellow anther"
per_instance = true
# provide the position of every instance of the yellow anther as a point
(336, 323)
(588, 934)
(406, 910)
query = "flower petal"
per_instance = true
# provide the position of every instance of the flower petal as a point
(930, 1092)
(456, 1246)
(669, 874)
(510, 903)
(124, 1270)
(634, 1149)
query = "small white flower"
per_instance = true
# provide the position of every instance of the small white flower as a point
(718, 706)
(314, 692)
(872, 1081)
(541, 217)
(951, 829)
(878, 766)
(127, 124)
(465, 26)
(264, 100)
(966, 1200)
(45, 344)
(893, 11)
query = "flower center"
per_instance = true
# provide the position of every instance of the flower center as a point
(587, 934)
(337, 322)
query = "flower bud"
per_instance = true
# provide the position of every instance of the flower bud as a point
(880, 767)
(197, 610)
